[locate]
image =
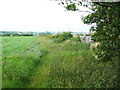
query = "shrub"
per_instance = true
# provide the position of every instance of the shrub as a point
(77, 39)
(62, 37)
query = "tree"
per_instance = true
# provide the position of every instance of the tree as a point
(106, 16)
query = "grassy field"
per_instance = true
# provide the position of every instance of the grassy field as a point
(20, 56)
(15, 44)
(39, 62)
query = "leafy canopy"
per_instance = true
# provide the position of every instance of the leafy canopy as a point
(107, 29)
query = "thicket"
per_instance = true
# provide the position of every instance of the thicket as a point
(62, 37)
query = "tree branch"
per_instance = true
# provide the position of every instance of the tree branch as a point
(102, 4)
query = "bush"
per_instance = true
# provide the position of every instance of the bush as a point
(77, 39)
(62, 37)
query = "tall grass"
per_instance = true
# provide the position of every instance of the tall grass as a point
(46, 64)
(78, 68)
(72, 65)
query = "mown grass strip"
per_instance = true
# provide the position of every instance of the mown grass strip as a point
(18, 66)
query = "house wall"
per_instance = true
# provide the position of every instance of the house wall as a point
(86, 39)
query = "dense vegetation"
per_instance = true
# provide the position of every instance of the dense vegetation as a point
(40, 62)
(107, 28)
(65, 36)
(62, 37)
(44, 63)
(106, 17)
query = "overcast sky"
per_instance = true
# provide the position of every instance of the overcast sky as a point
(39, 16)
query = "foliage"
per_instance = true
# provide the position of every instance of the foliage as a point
(71, 65)
(80, 35)
(106, 29)
(71, 7)
(45, 64)
(106, 17)
(77, 39)
(62, 37)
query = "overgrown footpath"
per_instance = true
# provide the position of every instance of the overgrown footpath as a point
(71, 64)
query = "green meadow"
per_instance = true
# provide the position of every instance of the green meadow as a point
(39, 62)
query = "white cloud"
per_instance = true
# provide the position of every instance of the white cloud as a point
(38, 15)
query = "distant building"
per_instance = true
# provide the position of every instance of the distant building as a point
(75, 34)
(88, 39)
(11, 34)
